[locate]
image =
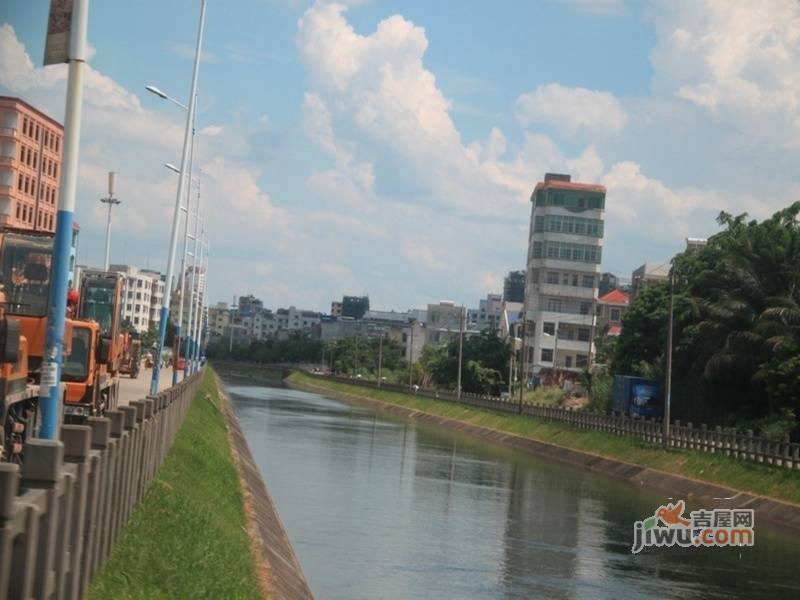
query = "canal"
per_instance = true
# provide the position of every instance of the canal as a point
(381, 508)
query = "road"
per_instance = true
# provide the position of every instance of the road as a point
(136, 389)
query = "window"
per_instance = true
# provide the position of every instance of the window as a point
(138, 308)
(549, 328)
(586, 307)
(584, 334)
(615, 315)
(552, 277)
(568, 362)
(135, 320)
(538, 224)
(569, 251)
(553, 305)
(547, 355)
(588, 281)
(574, 280)
(581, 361)
(18, 208)
(537, 249)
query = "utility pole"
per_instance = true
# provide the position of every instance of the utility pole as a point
(521, 363)
(668, 386)
(50, 369)
(460, 350)
(411, 355)
(355, 361)
(111, 201)
(380, 358)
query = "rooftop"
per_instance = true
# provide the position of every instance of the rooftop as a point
(615, 297)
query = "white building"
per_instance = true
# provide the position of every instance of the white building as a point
(142, 295)
(564, 255)
(294, 320)
(489, 312)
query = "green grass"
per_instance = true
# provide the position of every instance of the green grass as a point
(746, 476)
(187, 539)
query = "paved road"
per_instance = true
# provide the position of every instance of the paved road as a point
(136, 389)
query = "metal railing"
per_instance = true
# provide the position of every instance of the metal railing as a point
(60, 517)
(704, 439)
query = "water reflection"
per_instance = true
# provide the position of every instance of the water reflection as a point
(378, 508)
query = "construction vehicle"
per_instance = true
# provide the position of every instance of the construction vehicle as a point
(132, 356)
(91, 373)
(25, 261)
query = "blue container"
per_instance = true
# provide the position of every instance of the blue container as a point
(637, 397)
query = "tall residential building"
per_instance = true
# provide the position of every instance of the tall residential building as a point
(140, 296)
(564, 254)
(489, 312)
(514, 287)
(355, 306)
(30, 166)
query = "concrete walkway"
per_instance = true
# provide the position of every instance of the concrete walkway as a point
(137, 389)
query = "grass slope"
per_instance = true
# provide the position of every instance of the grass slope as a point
(187, 539)
(775, 482)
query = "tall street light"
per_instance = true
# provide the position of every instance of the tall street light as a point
(50, 368)
(173, 241)
(177, 336)
(200, 311)
(111, 201)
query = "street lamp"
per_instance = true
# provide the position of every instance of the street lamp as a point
(153, 89)
(173, 241)
(111, 201)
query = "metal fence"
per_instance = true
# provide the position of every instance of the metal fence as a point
(60, 517)
(704, 439)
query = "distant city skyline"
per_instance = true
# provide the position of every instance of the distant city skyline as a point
(368, 149)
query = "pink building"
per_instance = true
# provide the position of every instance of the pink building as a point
(30, 166)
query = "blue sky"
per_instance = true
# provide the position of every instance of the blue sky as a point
(390, 148)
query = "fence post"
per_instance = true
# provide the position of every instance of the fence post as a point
(77, 440)
(41, 469)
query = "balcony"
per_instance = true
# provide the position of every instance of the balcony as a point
(567, 291)
(9, 132)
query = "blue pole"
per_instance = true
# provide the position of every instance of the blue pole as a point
(177, 354)
(173, 240)
(49, 388)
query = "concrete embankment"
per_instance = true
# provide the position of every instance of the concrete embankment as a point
(281, 574)
(709, 495)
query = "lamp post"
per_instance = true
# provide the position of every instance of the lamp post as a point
(111, 201)
(460, 349)
(162, 329)
(199, 305)
(668, 386)
(177, 337)
(198, 237)
(50, 368)
(411, 354)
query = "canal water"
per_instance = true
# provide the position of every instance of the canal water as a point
(381, 508)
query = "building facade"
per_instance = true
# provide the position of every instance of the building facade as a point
(611, 307)
(514, 286)
(648, 274)
(30, 166)
(562, 278)
(490, 311)
(142, 295)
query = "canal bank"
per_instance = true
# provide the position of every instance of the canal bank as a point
(714, 481)
(207, 527)
(381, 506)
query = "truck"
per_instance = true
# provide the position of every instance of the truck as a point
(637, 397)
(131, 356)
(25, 262)
(91, 372)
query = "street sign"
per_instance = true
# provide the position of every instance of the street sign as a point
(56, 47)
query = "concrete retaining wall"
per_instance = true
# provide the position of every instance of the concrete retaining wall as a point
(283, 576)
(60, 517)
(711, 495)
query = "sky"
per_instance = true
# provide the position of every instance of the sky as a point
(390, 148)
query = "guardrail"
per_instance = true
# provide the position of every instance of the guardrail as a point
(60, 517)
(744, 447)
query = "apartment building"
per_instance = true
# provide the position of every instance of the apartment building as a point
(30, 166)
(564, 255)
(142, 295)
